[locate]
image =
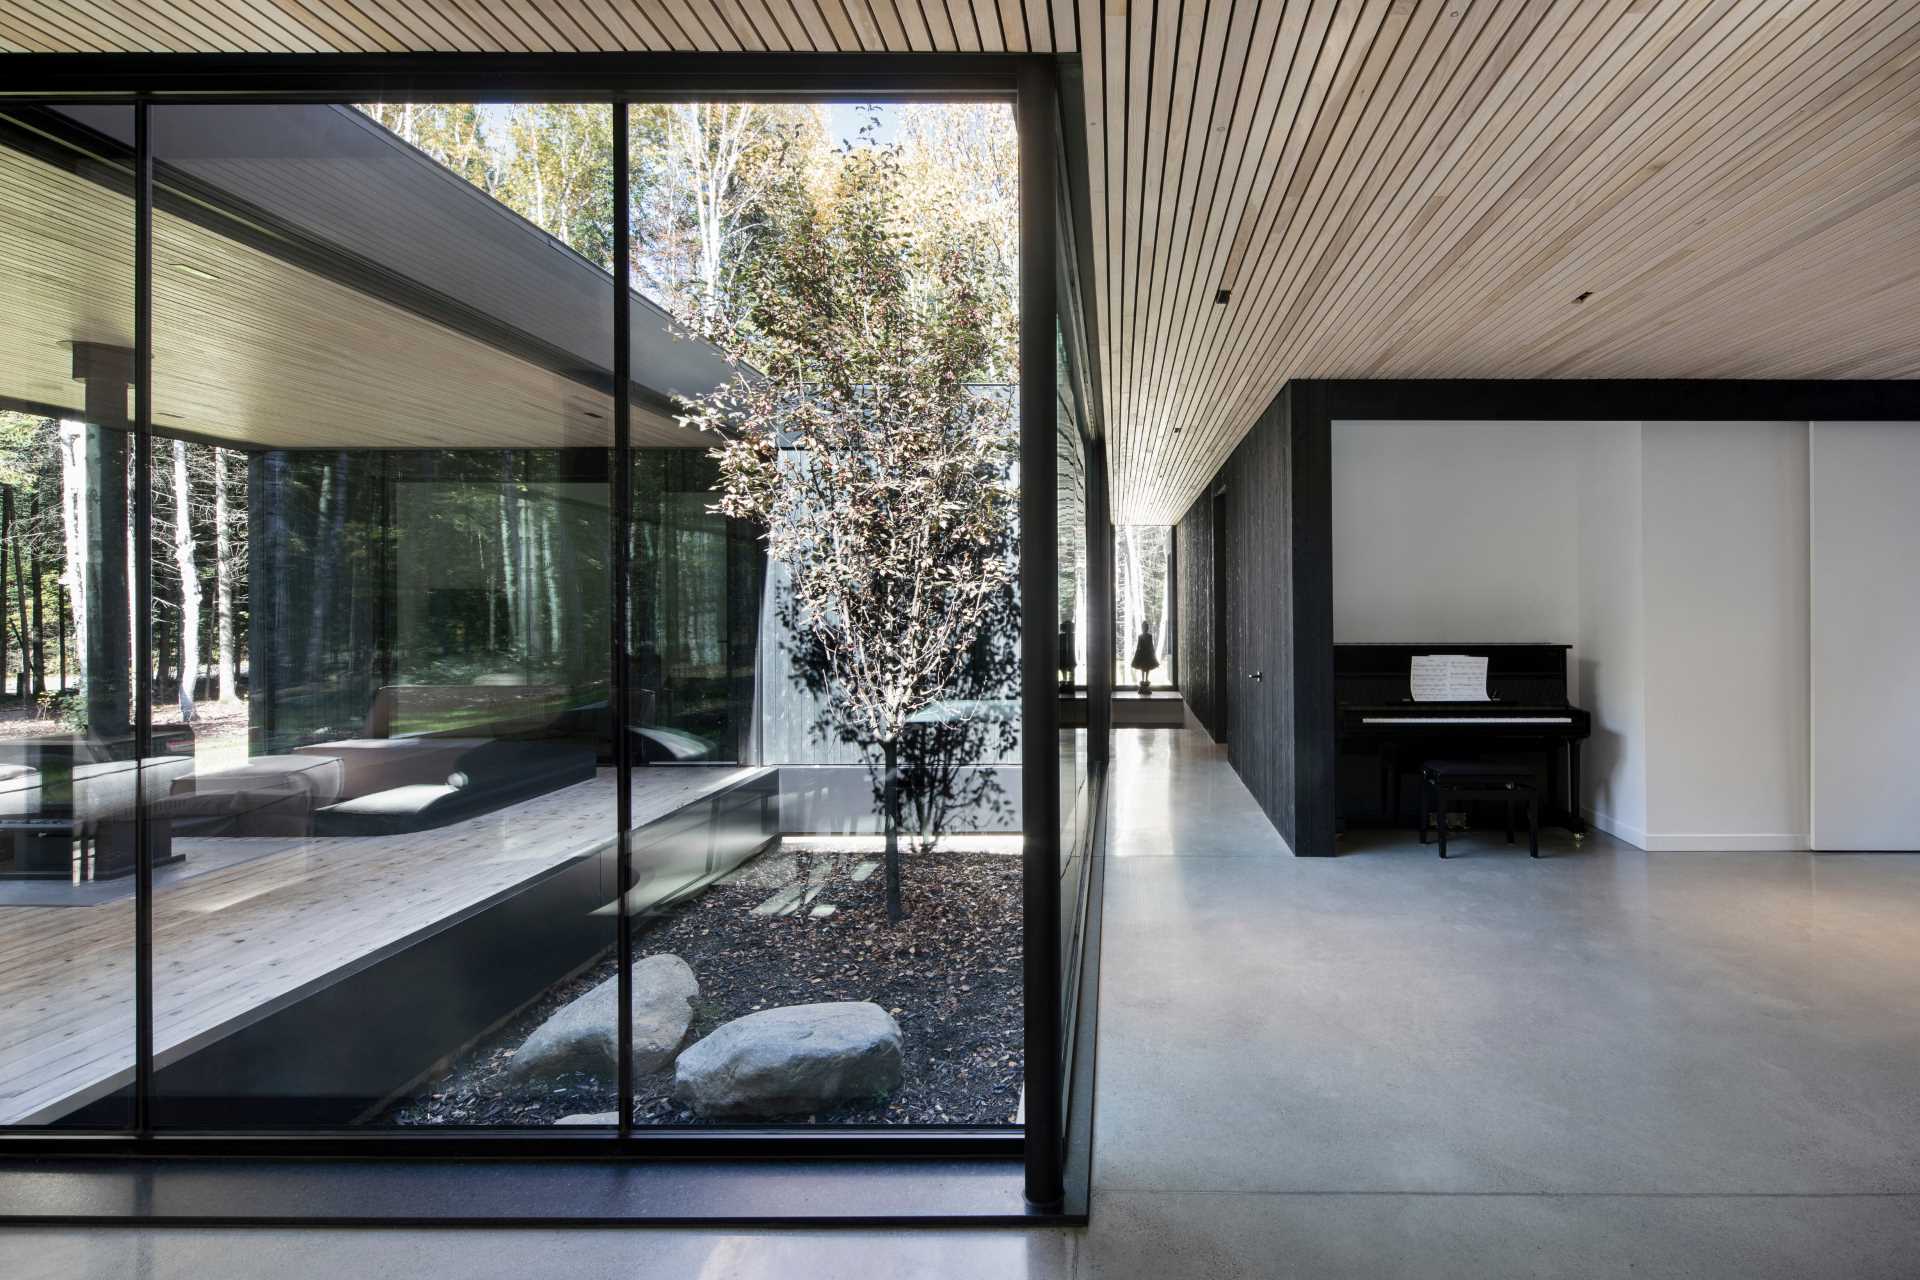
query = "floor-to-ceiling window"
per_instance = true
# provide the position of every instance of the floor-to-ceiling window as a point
(1143, 615)
(344, 711)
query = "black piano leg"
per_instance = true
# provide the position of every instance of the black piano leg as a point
(1533, 826)
(1509, 817)
(1440, 815)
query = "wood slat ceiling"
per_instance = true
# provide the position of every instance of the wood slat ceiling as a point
(1387, 188)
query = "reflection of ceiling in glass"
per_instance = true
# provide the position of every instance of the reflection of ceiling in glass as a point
(269, 332)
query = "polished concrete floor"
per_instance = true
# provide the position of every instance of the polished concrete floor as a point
(1602, 1063)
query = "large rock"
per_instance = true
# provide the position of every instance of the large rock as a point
(584, 1034)
(796, 1059)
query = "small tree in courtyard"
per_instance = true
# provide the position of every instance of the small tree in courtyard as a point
(858, 437)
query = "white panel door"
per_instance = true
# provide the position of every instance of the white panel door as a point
(1865, 636)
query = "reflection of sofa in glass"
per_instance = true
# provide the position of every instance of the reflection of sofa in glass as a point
(434, 754)
(57, 794)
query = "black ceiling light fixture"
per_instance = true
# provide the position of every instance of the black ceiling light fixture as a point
(1584, 296)
(1220, 297)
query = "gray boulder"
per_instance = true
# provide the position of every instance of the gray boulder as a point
(597, 1117)
(583, 1035)
(795, 1059)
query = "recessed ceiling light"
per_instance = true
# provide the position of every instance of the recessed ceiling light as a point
(1584, 296)
(1220, 298)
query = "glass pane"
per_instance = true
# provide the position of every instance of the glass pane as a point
(67, 769)
(760, 898)
(1143, 624)
(1075, 717)
(381, 607)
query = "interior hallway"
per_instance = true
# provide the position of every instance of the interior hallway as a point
(1603, 1063)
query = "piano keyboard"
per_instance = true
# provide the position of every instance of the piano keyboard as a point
(1466, 720)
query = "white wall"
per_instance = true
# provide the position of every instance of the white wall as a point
(1610, 647)
(1673, 555)
(1865, 644)
(1424, 521)
(1725, 535)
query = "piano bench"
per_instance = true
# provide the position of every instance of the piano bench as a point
(1443, 780)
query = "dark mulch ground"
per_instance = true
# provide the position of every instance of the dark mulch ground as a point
(950, 974)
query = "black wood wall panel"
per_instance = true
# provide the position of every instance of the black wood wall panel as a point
(1258, 698)
(1194, 640)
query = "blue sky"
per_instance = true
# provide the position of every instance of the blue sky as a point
(845, 118)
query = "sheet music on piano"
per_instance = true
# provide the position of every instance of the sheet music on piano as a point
(1449, 677)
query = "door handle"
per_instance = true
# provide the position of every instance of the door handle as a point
(1256, 675)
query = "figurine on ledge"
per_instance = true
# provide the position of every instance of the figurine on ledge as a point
(1144, 660)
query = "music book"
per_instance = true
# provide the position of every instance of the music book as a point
(1449, 677)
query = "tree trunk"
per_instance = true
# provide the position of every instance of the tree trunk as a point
(39, 632)
(26, 626)
(189, 581)
(890, 803)
(6, 541)
(73, 509)
(223, 584)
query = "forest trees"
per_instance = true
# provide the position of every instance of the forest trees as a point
(856, 434)
(198, 540)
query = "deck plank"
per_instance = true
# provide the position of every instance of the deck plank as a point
(233, 945)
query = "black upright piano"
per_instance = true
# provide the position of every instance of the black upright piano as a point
(1383, 735)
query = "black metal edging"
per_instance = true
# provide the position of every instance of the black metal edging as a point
(622, 676)
(1039, 599)
(142, 638)
(506, 77)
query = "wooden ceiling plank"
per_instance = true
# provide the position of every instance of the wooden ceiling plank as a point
(1331, 158)
(845, 34)
(1632, 194)
(1454, 218)
(1113, 35)
(913, 21)
(1256, 98)
(1816, 194)
(1329, 74)
(694, 25)
(1220, 72)
(1518, 119)
(277, 25)
(1615, 106)
(400, 26)
(1159, 118)
(887, 19)
(1546, 45)
(1495, 46)
(1295, 109)
(939, 25)
(38, 31)
(966, 33)
(1013, 25)
(334, 33)
(135, 30)
(345, 16)
(729, 25)
(1139, 65)
(819, 33)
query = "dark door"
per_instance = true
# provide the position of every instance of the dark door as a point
(1222, 667)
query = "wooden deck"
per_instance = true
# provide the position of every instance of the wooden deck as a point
(232, 945)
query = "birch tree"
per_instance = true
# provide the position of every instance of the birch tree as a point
(223, 575)
(863, 447)
(189, 571)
